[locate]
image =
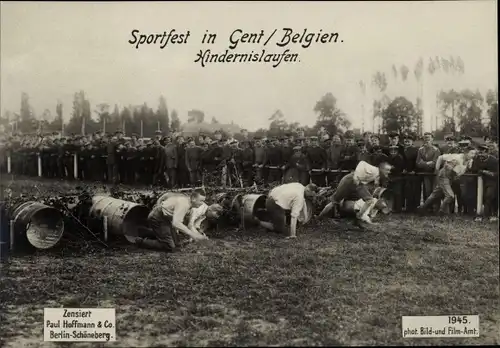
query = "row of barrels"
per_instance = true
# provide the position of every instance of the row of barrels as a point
(43, 226)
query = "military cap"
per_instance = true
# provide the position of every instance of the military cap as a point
(450, 138)
(314, 138)
(428, 133)
(135, 135)
(393, 134)
(483, 147)
(119, 131)
(409, 136)
(98, 132)
(234, 142)
(217, 132)
(296, 148)
(300, 139)
(377, 147)
(189, 139)
(366, 133)
(374, 136)
(360, 142)
(393, 147)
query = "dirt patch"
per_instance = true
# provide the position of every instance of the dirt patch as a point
(334, 285)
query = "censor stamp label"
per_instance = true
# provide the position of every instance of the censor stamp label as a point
(441, 326)
(79, 324)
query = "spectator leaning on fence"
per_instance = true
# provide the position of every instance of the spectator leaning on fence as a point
(455, 165)
(487, 166)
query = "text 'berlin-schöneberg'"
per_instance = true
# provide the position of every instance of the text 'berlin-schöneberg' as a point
(285, 38)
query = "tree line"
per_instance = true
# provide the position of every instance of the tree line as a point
(381, 102)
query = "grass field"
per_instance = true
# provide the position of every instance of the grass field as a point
(334, 285)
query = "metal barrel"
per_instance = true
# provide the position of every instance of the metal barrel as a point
(38, 224)
(253, 206)
(124, 218)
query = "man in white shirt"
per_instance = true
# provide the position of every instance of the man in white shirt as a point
(354, 186)
(449, 168)
(167, 217)
(287, 198)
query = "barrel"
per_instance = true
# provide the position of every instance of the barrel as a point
(38, 224)
(253, 206)
(124, 218)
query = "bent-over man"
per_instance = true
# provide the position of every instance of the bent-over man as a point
(167, 217)
(354, 186)
(287, 198)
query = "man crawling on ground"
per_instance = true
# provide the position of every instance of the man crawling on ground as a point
(288, 199)
(167, 218)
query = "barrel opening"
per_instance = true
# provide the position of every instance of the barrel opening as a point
(45, 228)
(259, 208)
(135, 221)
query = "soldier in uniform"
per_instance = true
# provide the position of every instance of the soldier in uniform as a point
(349, 154)
(396, 180)
(131, 163)
(182, 170)
(260, 159)
(363, 154)
(367, 141)
(412, 183)
(286, 153)
(247, 158)
(465, 187)
(274, 162)
(193, 162)
(318, 160)
(427, 156)
(394, 141)
(374, 141)
(171, 163)
(244, 134)
(378, 156)
(487, 166)
(333, 159)
(298, 168)
(451, 145)
(492, 143)
(227, 153)
(112, 159)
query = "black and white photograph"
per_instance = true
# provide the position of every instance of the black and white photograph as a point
(249, 173)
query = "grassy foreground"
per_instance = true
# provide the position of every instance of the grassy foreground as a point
(334, 285)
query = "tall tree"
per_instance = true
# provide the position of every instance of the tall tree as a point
(399, 116)
(469, 113)
(162, 115)
(379, 80)
(103, 116)
(175, 124)
(329, 115)
(278, 123)
(403, 71)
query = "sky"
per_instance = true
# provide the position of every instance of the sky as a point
(51, 50)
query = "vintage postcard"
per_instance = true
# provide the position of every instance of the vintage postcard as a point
(249, 173)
